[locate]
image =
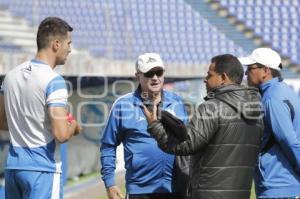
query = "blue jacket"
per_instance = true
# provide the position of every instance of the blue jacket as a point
(278, 169)
(148, 169)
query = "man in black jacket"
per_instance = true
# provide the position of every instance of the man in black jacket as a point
(223, 136)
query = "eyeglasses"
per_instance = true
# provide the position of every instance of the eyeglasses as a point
(150, 74)
(252, 68)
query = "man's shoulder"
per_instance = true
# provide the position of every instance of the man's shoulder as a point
(171, 95)
(210, 105)
(48, 73)
(23, 64)
(278, 91)
(39, 71)
(17, 68)
(129, 97)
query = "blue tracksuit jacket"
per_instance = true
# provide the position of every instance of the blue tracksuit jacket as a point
(278, 170)
(148, 169)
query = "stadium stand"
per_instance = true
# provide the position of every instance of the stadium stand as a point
(123, 29)
(183, 32)
(15, 34)
(275, 21)
(186, 33)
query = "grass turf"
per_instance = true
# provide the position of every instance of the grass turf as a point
(123, 191)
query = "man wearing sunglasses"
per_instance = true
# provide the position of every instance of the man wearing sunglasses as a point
(150, 172)
(222, 137)
(278, 171)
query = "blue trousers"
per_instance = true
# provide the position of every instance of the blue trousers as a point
(21, 184)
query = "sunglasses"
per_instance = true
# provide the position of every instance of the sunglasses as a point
(150, 74)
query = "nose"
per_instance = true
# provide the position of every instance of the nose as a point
(155, 76)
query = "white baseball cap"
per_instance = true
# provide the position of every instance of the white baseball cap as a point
(147, 61)
(264, 56)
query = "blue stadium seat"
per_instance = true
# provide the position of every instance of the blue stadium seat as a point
(277, 22)
(172, 28)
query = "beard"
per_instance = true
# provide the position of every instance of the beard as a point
(60, 61)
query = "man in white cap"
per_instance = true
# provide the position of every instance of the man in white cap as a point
(150, 172)
(278, 171)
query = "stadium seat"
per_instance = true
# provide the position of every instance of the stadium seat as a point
(272, 20)
(132, 27)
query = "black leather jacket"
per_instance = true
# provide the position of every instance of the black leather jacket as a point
(223, 139)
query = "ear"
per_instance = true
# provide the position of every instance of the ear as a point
(225, 79)
(55, 45)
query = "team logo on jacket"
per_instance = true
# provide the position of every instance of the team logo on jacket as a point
(141, 119)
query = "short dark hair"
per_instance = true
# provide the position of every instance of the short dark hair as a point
(51, 27)
(230, 65)
(275, 73)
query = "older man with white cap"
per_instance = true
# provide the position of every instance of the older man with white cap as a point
(150, 172)
(278, 171)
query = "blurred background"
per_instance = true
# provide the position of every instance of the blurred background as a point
(109, 35)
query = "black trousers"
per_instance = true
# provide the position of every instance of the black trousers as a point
(155, 196)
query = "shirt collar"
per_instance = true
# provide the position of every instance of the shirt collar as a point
(264, 86)
(35, 61)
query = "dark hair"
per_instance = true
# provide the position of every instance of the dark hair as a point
(51, 27)
(230, 65)
(275, 73)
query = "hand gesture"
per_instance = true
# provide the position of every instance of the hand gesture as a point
(151, 115)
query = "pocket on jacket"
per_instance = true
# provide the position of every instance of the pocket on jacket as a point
(143, 169)
(265, 165)
(275, 170)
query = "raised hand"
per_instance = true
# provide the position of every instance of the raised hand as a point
(151, 115)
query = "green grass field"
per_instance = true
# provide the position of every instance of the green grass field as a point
(93, 175)
(252, 193)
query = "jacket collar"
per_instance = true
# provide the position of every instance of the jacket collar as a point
(35, 61)
(264, 86)
(223, 89)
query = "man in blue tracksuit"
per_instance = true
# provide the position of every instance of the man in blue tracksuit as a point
(150, 172)
(278, 169)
